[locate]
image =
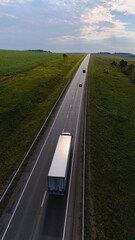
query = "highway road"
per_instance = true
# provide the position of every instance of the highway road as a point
(32, 214)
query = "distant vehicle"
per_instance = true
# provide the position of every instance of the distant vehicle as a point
(57, 175)
(84, 71)
(80, 85)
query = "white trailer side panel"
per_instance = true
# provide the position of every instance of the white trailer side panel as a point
(59, 167)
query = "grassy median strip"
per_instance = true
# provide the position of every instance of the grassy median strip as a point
(26, 99)
(111, 151)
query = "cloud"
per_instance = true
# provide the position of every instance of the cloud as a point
(67, 3)
(127, 7)
(100, 23)
(8, 15)
(73, 22)
(5, 2)
(12, 2)
(65, 38)
(58, 21)
(96, 15)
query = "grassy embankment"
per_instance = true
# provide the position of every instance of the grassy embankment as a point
(110, 153)
(28, 92)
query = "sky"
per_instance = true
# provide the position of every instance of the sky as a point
(68, 25)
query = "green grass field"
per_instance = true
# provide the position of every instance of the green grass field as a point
(110, 152)
(12, 62)
(30, 84)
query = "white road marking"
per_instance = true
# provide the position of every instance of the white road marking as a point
(43, 199)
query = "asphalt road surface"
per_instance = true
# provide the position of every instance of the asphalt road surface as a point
(33, 214)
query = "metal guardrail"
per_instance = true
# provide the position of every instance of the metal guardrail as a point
(30, 148)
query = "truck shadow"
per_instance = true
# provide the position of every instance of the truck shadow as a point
(54, 217)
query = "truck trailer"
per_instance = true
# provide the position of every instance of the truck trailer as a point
(57, 175)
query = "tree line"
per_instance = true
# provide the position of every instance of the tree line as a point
(127, 69)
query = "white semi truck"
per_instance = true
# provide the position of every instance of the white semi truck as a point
(57, 175)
